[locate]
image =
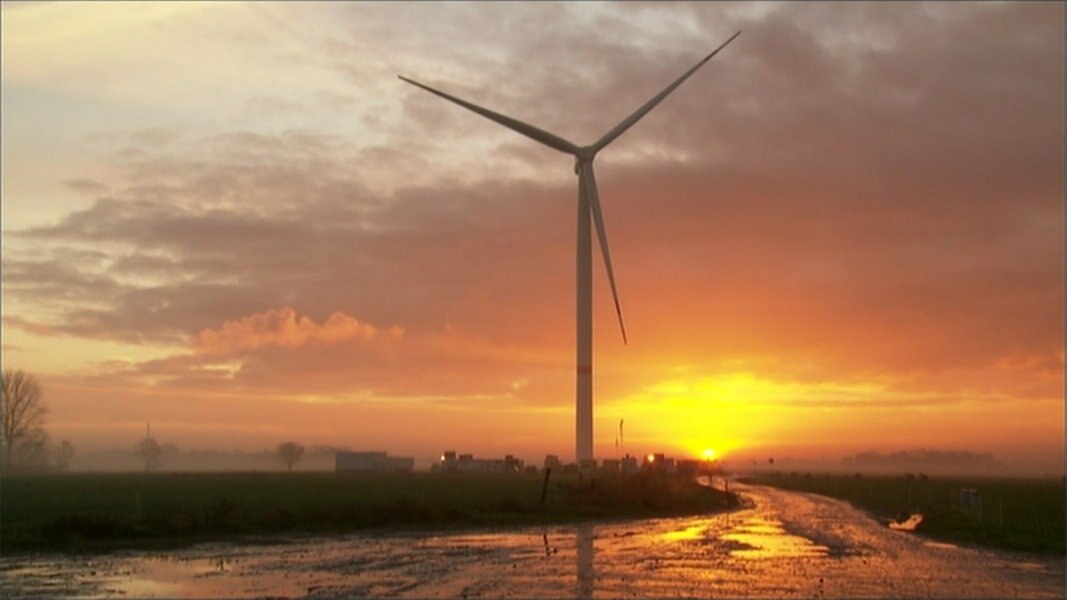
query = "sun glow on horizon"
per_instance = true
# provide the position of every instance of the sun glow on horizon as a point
(709, 416)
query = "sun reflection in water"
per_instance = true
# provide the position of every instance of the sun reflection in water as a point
(766, 538)
(694, 532)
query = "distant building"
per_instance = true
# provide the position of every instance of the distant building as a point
(659, 462)
(466, 463)
(611, 466)
(691, 466)
(448, 462)
(379, 462)
(513, 465)
(628, 464)
(667, 464)
(553, 462)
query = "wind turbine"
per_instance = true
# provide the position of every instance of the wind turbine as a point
(588, 208)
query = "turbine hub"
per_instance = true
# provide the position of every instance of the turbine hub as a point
(586, 153)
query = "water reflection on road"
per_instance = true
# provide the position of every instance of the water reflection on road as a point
(783, 545)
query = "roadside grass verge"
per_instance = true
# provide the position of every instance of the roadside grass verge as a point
(1009, 514)
(100, 512)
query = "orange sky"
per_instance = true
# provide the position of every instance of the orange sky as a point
(845, 233)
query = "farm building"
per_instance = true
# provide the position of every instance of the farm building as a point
(466, 463)
(373, 461)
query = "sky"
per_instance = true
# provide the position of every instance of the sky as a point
(844, 233)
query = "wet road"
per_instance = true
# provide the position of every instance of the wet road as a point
(785, 544)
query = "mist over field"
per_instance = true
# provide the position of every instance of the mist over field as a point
(322, 458)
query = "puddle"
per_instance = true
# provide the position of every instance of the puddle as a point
(944, 545)
(694, 532)
(767, 538)
(210, 577)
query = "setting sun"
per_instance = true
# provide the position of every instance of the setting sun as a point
(709, 454)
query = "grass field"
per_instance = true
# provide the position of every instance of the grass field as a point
(1013, 514)
(88, 512)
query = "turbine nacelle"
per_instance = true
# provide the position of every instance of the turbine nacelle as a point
(586, 153)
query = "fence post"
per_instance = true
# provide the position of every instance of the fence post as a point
(544, 486)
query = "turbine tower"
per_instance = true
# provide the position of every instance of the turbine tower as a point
(588, 210)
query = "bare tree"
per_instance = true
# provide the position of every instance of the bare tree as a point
(23, 414)
(149, 450)
(290, 453)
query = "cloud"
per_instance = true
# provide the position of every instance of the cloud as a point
(86, 186)
(280, 352)
(30, 326)
(873, 193)
(281, 328)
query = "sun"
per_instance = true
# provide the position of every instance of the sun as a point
(709, 454)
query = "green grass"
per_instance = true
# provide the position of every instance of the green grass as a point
(88, 512)
(1012, 514)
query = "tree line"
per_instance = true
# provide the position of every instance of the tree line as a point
(26, 447)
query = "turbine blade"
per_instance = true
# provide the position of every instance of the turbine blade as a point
(644, 110)
(540, 135)
(589, 181)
